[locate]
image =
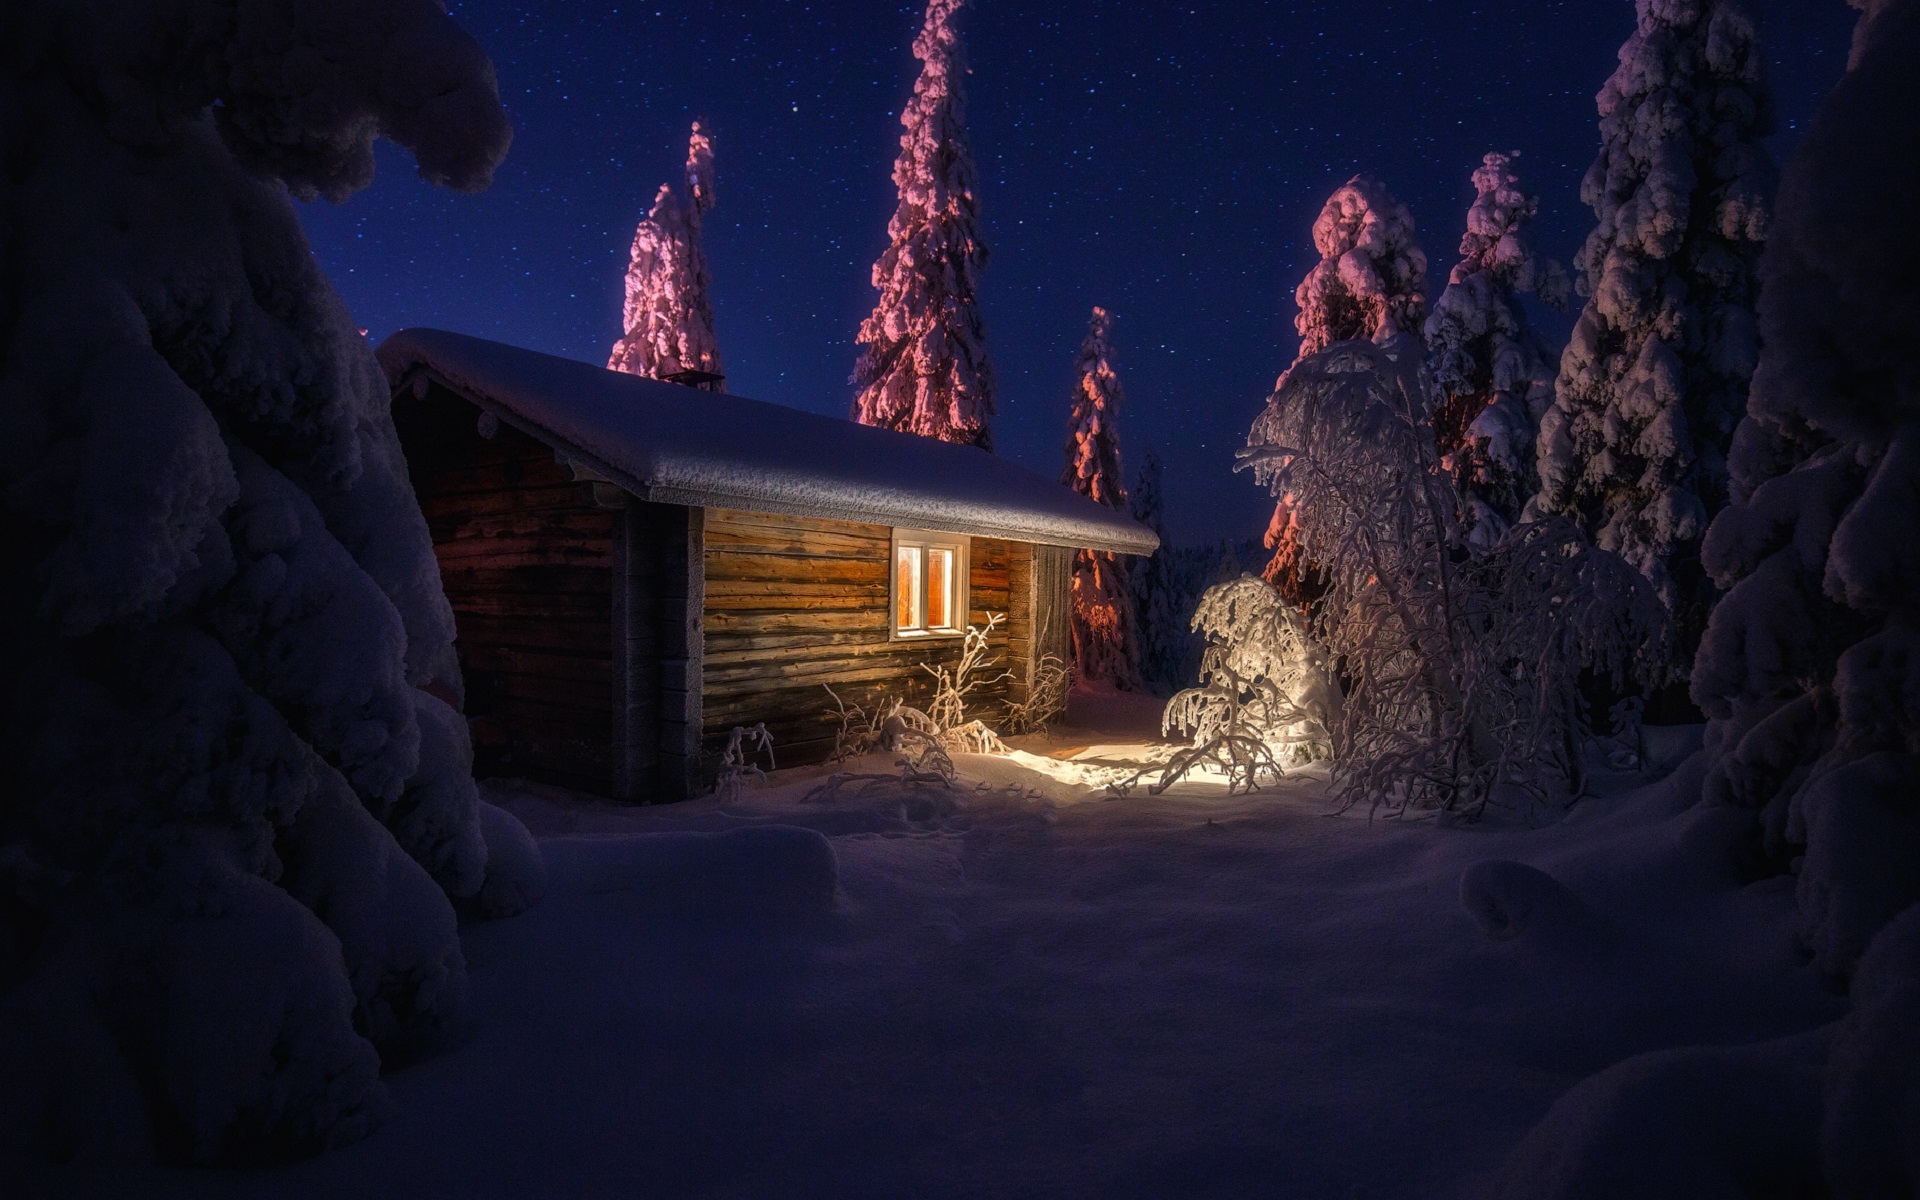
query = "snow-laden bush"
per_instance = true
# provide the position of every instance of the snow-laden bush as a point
(1265, 700)
(233, 801)
(1810, 668)
(1460, 670)
(1657, 371)
(668, 316)
(1494, 371)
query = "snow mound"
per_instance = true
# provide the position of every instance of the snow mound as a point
(516, 874)
(757, 869)
(1870, 1141)
(1707, 1123)
(1509, 899)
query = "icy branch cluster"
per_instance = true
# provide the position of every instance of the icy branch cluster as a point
(1265, 702)
(235, 795)
(669, 317)
(1105, 646)
(1494, 371)
(1658, 368)
(923, 364)
(1810, 668)
(1370, 283)
(1460, 670)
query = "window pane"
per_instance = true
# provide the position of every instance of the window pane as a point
(939, 588)
(906, 588)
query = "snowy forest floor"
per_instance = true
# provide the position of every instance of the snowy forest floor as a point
(1026, 988)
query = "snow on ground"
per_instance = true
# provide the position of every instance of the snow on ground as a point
(1025, 988)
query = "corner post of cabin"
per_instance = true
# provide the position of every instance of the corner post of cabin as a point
(635, 691)
(1052, 594)
(682, 640)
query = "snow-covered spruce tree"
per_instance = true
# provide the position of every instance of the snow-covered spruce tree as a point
(1810, 668)
(1161, 633)
(923, 363)
(1105, 638)
(1461, 672)
(234, 798)
(1370, 282)
(1656, 375)
(1494, 371)
(668, 317)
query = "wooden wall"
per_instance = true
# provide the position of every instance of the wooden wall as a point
(527, 561)
(795, 603)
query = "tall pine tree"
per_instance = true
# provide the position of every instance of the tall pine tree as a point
(923, 364)
(1493, 370)
(1370, 283)
(669, 318)
(1160, 629)
(1105, 646)
(1656, 375)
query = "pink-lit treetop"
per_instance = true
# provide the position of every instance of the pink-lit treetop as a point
(1371, 281)
(923, 364)
(1493, 370)
(669, 317)
(1370, 284)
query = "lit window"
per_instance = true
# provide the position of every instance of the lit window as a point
(929, 583)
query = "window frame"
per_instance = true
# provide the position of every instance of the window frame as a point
(962, 584)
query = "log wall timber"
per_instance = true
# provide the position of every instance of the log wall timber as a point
(527, 561)
(796, 603)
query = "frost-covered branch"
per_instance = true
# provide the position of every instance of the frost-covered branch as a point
(1459, 669)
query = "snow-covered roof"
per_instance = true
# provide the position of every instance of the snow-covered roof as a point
(675, 445)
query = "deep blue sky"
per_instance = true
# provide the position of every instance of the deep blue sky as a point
(1163, 159)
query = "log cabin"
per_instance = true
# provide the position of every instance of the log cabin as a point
(637, 567)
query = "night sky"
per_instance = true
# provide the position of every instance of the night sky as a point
(1165, 160)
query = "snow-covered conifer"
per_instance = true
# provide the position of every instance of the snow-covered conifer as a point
(1093, 442)
(1656, 375)
(1105, 643)
(1810, 667)
(669, 316)
(1370, 283)
(1494, 371)
(923, 364)
(235, 795)
(1161, 631)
